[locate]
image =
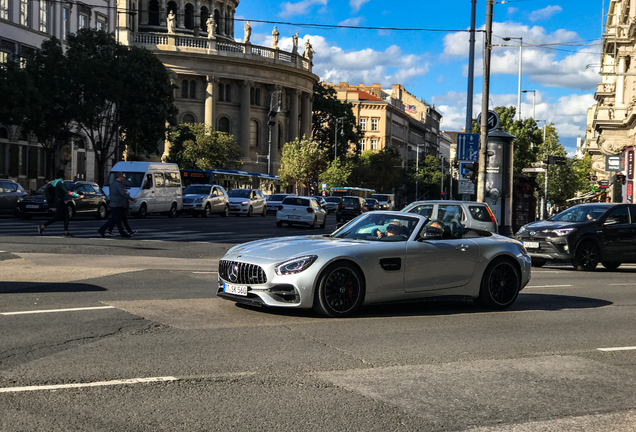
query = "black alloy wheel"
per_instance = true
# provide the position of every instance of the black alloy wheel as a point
(101, 212)
(207, 212)
(226, 212)
(340, 290)
(586, 257)
(500, 285)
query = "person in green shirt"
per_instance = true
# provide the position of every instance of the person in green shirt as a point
(59, 201)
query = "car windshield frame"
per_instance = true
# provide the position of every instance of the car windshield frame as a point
(240, 193)
(205, 189)
(134, 179)
(580, 213)
(363, 227)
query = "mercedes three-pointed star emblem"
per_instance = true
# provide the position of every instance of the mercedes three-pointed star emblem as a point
(232, 273)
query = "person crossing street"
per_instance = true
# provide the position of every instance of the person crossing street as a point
(118, 199)
(57, 197)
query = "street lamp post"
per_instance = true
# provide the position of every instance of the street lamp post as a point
(520, 62)
(534, 93)
(339, 121)
(417, 170)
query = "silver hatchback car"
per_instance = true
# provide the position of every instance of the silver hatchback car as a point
(470, 214)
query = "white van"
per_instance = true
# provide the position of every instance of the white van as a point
(155, 185)
(385, 201)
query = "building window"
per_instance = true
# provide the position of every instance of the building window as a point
(66, 16)
(254, 133)
(5, 9)
(184, 89)
(153, 13)
(204, 18)
(363, 144)
(193, 89)
(221, 95)
(189, 16)
(83, 22)
(188, 118)
(258, 97)
(363, 124)
(224, 125)
(100, 24)
(24, 12)
(228, 93)
(374, 144)
(374, 124)
(44, 15)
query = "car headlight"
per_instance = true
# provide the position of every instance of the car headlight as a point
(198, 200)
(295, 265)
(563, 231)
(245, 203)
(20, 199)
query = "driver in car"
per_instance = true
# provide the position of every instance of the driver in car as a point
(393, 228)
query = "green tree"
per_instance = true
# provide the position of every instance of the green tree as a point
(326, 109)
(337, 173)
(380, 170)
(430, 176)
(195, 146)
(301, 163)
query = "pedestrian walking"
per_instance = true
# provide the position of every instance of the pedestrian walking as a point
(56, 193)
(124, 221)
(118, 199)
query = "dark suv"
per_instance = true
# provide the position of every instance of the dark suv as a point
(350, 207)
(584, 235)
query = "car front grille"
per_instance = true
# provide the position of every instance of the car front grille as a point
(241, 273)
(188, 200)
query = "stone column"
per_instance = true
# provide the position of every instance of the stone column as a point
(209, 101)
(56, 20)
(222, 21)
(143, 10)
(620, 84)
(305, 115)
(273, 149)
(293, 114)
(244, 124)
(197, 14)
(163, 13)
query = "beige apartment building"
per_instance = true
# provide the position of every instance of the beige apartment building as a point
(393, 117)
(611, 123)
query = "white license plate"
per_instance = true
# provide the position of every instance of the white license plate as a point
(235, 289)
(293, 217)
(348, 208)
(32, 206)
(531, 245)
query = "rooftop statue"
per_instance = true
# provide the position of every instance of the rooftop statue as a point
(275, 35)
(295, 44)
(309, 51)
(171, 18)
(248, 32)
(211, 26)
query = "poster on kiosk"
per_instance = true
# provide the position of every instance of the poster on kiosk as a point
(494, 178)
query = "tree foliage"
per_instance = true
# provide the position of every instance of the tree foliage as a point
(380, 170)
(301, 163)
(337, 173)
(195, 146)
(326, 109)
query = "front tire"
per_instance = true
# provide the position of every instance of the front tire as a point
(207, 212)
(611, 265)
(249, 212)
(586, 257)
(340, 290)
(500, 285)
(279, 224)
(142, 213)
(264, 213)
(226, 212)
(101, 212)
(173, 211)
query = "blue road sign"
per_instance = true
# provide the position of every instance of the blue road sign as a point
(468, 147)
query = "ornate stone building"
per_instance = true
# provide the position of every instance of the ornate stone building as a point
(223, 83)
(611, 123)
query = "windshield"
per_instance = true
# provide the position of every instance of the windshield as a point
(197, 190)
(332, 199)
(133, 179)
(582, 213)
(277, 197)
(380, 197)
(379, 227)
(240, 193)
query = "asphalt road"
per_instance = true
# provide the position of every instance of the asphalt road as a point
(126, 334)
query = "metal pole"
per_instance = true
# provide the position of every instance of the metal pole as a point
(471, 69)
(485, 94)
(534, 94)
(335, 141)
(269, 151)
(519, 90)
(441, 192)
(417, 172)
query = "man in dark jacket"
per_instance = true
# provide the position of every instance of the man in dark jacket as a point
(61, 192)
(118, 199)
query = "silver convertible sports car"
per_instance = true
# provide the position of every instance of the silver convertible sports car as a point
(377, 257)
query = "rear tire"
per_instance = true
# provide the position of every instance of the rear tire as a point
(340, 290)
(142, 213)
(173, 211)
(611, 265)
(500, 285)
(264, 213)
(586, 257)
(324, 223)
(249, 212)
(101, 212)
(207, 212)
(226, 212)
(313, 223)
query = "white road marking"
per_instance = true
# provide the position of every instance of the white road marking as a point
(547, 286)
(617, 349)
(622, 284)
(56, 310)
(93, 384)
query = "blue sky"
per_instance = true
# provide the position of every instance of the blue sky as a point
(433, 64)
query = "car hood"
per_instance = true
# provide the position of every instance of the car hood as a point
(195, 196)
(38, 199)
(550, 225)
(238, 199)
(280, 249)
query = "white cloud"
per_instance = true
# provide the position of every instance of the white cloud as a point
(357, 4)
(512, 10)
(300, 7)
(351, 22)
(545, 13)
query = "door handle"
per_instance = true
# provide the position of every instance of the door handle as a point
(463, 247)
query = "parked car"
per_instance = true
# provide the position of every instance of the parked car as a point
(322, 202)
(247, 202)
(350, 207)
(93, 203)
(10, 193)
(470, 214)
(301, 210)
(338, 273)
(333, 202)
(205, 200)
(372, 204)
(385, 201)
(273, 201)
(584, 235)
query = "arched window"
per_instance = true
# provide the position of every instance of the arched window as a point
(184, 89)
(188, 118)
(221, 96)
(217, 18)
(224, 125)
(254, 133)
(204, 18)
(172, 7)
(257, 99)
(4, 133)
(228, 93)
(193, 89)
(252, 97)
(189, 16)
(153, 13)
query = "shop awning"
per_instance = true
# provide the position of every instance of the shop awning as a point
(585, 197)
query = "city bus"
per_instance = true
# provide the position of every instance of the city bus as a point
(267, 183)
(352, 191)
(232, 179)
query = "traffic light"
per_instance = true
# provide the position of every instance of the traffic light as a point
(620, 178)
(470, 171)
